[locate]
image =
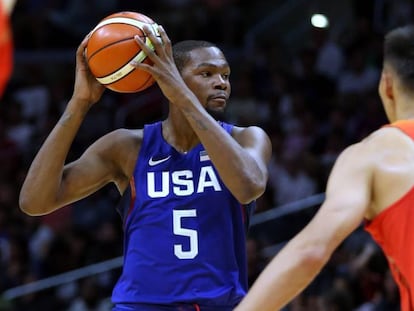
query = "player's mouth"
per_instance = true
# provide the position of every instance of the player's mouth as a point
(219, 99)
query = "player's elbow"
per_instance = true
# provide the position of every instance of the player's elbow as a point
(314, 257)
(251, 191)
(30, 206)
(25, 206)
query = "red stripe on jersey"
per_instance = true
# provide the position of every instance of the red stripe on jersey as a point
(133, 196)
(243, 210)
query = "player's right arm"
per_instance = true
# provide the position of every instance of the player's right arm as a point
(50, 184)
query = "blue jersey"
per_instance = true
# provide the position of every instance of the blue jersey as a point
(184, 231)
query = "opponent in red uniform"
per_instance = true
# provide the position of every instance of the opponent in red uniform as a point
(6, 47)
(371, 180)
(393, 230)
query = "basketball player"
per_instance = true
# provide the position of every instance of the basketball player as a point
(373, 181)
(6, 43)
(189, 182)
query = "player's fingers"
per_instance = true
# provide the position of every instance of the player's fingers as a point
(82, 46)
(165, 40)
(85, 41)
(141, 66)
(80, 52)
(156, 42)
(147, 50)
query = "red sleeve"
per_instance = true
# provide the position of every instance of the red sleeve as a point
(6, 49)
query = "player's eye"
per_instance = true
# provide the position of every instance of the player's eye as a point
(205, 74)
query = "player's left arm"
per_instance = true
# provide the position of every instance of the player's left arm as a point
(241, 158)
(348, 198)
(249, 158)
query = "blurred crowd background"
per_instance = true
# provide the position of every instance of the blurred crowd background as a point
(314, 91)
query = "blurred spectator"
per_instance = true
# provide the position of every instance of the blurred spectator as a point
(359, 76)
(18, 129)
(255, 261)
(244, 107)
(9, 153)
(90, 298)
(337, 300)
(288, 175)
(77, 17)
(329, 55)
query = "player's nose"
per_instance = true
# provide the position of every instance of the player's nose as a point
(220, 82)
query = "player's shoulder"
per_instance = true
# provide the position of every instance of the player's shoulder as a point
(383, 141)
(386, 138)
(253, 137)
(127, 134)
(120, 140)
(252, 130)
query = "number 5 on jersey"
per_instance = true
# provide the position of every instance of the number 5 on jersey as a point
(178, 215)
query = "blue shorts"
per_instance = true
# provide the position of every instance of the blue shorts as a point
(175, 307)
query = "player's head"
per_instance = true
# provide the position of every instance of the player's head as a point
(206, 71)
(399, 54)
(182, 49)
(398, 71)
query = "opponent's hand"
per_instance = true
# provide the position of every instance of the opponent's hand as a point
(87, 89)
(163, 69)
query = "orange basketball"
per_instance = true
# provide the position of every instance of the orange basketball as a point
(112, 47)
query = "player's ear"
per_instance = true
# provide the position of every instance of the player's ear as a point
(386, 86)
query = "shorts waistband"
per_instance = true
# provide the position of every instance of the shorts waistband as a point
(172, 307)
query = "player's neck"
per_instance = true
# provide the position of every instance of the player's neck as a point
(179, 134)
(404, 109)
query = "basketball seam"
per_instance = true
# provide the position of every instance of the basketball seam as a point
(110, 44)
(127, 21)
(117, 74)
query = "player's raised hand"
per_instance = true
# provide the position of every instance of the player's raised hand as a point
(163, 69)
(87, 89)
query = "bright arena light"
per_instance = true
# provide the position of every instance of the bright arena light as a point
(319, 21)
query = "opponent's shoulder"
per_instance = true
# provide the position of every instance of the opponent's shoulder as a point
(387, 139)
(380, 144)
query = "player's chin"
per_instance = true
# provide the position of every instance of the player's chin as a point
(216, 104)
(217, 113)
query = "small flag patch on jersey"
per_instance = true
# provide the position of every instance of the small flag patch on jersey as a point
(204, 156)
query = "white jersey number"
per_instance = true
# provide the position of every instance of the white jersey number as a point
(190, 233)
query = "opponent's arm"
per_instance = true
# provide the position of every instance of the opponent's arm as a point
(348, 197)
(241, 158)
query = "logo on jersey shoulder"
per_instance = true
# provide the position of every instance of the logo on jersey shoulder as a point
(204, 156)
(181, 183)
(153, 162)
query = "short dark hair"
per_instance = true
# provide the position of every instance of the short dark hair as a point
(182, 49)
(399, 54)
